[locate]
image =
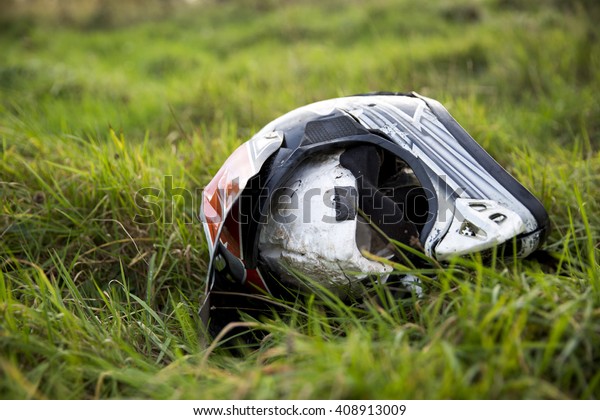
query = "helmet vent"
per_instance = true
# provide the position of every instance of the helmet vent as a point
(498, 218)
(471, 230)
(327, 129)
(478, 206)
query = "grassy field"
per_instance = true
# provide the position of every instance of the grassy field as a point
(95, 303)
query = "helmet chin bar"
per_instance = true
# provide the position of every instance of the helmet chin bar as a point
(478, 225)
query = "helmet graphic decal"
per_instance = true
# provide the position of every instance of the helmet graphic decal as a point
(224, 189)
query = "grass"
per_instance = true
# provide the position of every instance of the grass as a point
(96, 303)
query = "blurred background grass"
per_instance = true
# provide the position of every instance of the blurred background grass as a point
(123, 63)
(101, 98)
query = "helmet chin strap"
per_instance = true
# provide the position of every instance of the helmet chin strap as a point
(364, 162)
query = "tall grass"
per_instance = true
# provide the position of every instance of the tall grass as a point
(99, 290)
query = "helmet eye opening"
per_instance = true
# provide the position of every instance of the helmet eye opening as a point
(405, 189)
(338, 204)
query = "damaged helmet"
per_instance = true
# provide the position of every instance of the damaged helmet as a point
(326, 193)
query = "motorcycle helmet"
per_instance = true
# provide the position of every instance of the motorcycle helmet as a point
(319, 191)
